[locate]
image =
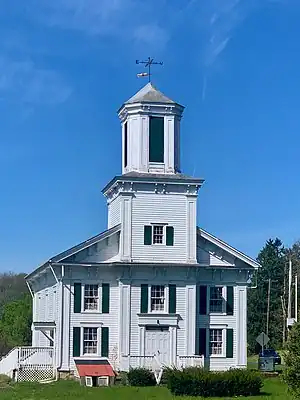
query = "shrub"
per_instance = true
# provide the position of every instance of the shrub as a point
(4, 380)
(292, 360)
(200, 382)
(141, 377)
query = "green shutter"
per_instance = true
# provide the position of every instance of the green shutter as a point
(203, 300)
(229, 303)
(105, 298)
(172, 299)
(148, 235)
(77, 297)
(202, 342)
(76, 342)
(144, 299)
(156, 139)
(104, 341)
(229, 343)
(170, 236)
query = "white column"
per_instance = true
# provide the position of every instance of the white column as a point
(144, 144)
(169, 144)
(191, 234)
(177, 144)
(241, 327)
(142, 330)
(64, 336)
(190, 320)
(124, 321)
(126, 213)
(173, 345)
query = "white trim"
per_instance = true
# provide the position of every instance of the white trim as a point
(98, 327)
(166, 296)
(224, 295)
(225, 246)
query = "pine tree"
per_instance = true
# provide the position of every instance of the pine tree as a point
(272, 260)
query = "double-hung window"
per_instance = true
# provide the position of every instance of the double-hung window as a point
(158, 298)
(90, 340)
(216, 299)
(215, 341)
(158, 234)
(91, 298)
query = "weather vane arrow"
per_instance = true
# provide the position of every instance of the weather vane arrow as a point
(148, 64)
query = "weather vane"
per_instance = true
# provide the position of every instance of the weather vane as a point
(148, 63)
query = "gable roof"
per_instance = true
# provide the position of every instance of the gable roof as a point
(149, 94)
(225, 246)
(75, 249)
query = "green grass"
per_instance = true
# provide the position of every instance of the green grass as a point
(273, 389)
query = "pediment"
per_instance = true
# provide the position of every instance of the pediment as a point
(212, 251)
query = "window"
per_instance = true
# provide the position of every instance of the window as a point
(216, 300)
(156, 139)
(158, 234)
(91, 298)
(157, 298)
(90, 341)
(215, 341)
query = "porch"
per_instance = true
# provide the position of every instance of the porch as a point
(29, 364)
(152, 362)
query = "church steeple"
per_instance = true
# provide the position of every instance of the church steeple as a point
(150, 132)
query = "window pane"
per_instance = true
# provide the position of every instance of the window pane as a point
(90, 340)
(215, 341)
(91, 299)
(216, 300)
(158, 234)
(157, 298)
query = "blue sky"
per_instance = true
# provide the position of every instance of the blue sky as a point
(67, 65)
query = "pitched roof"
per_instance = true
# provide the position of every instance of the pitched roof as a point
(225, 246)
(149, 94)
(75, 249)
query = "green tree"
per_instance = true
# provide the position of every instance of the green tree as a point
(272, 260)
(292, 360)
(15, 323)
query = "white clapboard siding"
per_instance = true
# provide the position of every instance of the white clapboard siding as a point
(110, 320)
(114, 212)
(102, 251)
(170, 209)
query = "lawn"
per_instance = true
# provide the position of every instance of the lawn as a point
(273, 389)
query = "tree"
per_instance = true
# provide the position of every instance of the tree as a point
(272, 260)
(15, 324)
(292, 360)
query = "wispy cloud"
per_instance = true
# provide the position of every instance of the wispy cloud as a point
(25, 82)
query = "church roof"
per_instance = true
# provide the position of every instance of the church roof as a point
(149, 94)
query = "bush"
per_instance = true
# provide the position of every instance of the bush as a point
(292, 360)
(141, 377)
(200, 382)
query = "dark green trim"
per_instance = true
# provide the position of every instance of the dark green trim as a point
(76, 342)
(144, 299)
(77, 297)
(105, 298)
(156, 139)
(202, 342)
(147, 235)
(104, 341)
(172, 299)
(229, 343)
(230, 301)
(170, 236)
(203, 300)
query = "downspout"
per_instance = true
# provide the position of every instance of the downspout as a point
(61, 320)
(256, 282)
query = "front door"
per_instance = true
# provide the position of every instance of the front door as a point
(158, 343)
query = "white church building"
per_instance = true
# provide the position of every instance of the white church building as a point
(153, 284)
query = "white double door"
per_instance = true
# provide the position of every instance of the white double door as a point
(158, 343)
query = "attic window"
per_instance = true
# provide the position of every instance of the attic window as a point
(156, 139)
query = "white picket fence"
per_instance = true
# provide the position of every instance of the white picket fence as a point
(29, 364)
